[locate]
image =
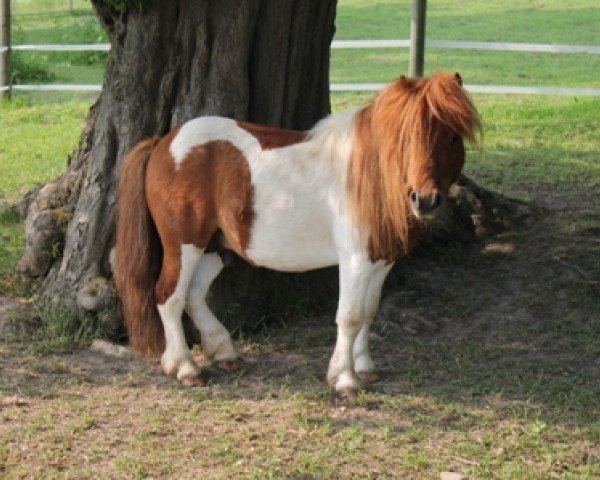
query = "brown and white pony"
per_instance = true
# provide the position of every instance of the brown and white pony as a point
(354, 191)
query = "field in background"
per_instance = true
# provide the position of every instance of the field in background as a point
(543, 21)
(491, 369)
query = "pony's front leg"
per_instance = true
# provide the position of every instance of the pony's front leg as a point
(174, 281)
(355, 276)
(363, 362)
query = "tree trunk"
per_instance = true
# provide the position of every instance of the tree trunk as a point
(263, 61)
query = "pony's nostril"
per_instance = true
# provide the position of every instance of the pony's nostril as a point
(414, 198)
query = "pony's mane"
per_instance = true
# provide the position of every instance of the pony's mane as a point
(404, 121)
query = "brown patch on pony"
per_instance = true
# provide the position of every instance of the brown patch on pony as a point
(411, 122)
(270, 138)
(211, 191)
(138, 254)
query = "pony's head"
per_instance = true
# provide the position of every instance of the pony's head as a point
(420, 126)
(409, 149)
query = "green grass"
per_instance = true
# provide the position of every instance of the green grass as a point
(60, 27)
(476, 67)
(547, 142)
(75, 422)
(37, 7)
(541, 21)
(548, 21)
(35, 141)
(12, 243)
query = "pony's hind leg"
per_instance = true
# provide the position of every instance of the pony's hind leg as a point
(216, 341)
(171, 292)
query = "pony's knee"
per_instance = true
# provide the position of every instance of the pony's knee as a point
(349, 323)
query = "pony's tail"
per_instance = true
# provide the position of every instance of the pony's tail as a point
(138, 254)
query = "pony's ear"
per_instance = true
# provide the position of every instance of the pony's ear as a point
(458, 78)
(402, 78)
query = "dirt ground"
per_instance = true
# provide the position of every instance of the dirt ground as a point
(513, 321)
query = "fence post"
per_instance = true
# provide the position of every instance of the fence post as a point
(417, 38)
(5, 42)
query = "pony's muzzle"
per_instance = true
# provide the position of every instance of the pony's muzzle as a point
(426, 206)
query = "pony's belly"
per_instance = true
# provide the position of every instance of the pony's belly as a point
(291, 250)
(293, 223)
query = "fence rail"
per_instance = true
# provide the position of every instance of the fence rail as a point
(87, 47)
(350, 44)
(464, 45)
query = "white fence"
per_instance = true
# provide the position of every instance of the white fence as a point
(445, 44)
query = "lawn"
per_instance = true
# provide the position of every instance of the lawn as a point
(490, 369)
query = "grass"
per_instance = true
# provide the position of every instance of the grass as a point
(75, 423)
(56, 25)
(526, 143)
(543, 21)
(548, 21)
(11, 247)
(35, 141)
(505, 385)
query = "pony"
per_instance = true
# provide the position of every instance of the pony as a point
(355, 191)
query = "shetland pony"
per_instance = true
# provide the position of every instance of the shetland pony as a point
(354, 191)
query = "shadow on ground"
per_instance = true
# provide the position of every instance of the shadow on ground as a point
(516, 318)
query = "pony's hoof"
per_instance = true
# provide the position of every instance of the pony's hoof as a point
(368, 377)
(192, 380)
(346, 393)
(229, 365)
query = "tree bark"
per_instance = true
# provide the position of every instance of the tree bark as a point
(266, 61)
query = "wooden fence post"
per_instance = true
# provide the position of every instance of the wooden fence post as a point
(417, 38)
(5, 43)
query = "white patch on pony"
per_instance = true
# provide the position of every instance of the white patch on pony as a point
(209, 129)
(300, 199)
